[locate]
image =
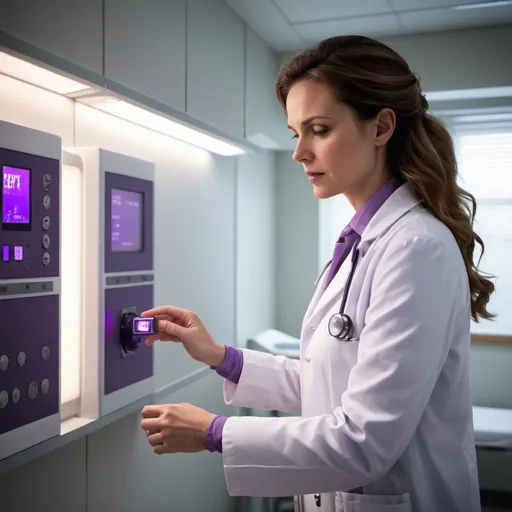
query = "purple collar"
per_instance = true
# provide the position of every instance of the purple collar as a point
(363, 216)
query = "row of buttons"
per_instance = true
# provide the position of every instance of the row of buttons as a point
(47, 180)
(32, 392)
(22, 358)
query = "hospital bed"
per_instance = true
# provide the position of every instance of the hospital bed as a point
(493, 428)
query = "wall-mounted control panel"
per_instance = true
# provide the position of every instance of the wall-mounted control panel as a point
(118, 279)
(30, 171)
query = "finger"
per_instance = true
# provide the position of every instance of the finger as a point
(177, 313)
(172, 329)
(152, 424)
(155, 439)
(152, 411)
(151, 432)
(161, 449)
(153, 338)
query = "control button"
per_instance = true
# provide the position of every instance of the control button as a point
(46, 258)
(16, 395)
(5, 253)
(46, 223)
(22, 358)
(47, 181)
(46, 240)
(45, 353)
(4, 363)
(18, 253)
(45, 386)
(47, 202)
(32, 390)
(4, 399)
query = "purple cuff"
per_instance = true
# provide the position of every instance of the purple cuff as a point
(231, 366)
(214, 434)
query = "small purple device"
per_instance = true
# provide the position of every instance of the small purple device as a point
(144, 326)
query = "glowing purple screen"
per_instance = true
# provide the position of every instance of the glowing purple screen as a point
(16, 196)
(143, 325)
(126, 229)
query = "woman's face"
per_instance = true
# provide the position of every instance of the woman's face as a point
(340, 154)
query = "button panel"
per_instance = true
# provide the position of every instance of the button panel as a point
(29, 360)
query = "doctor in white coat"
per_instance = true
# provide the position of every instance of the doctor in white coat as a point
(382, 388)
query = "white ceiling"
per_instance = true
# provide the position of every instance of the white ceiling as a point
(289, 25)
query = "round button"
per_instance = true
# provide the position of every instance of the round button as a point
(46, 223)
(46, 258)
(45, 353)
(45, 386)
(32, 390)
(46, 240)
(47, 180)
(4, 363)
(22, 358)
(47, 202)
(16, 395)
(4, 399)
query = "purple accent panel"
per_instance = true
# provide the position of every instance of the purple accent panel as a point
(30, 236)
(122, 371)
(126, 261)
(28, 325)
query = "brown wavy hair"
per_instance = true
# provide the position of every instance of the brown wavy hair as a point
(368, 76)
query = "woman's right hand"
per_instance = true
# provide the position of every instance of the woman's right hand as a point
(185, 327)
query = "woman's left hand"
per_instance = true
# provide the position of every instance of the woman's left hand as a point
(174, 428)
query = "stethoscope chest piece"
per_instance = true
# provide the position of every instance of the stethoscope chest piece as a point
(341, 327)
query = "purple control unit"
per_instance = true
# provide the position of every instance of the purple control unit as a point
(128, 247)
(29, 295)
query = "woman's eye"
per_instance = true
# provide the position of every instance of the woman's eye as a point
(295, 136)
(321, 131)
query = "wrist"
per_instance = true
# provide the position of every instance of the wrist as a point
(217, 356)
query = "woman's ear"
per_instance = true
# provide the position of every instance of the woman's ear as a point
(385, 123)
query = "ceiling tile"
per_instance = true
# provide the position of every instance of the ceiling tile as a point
(377, 26)
(449, 19)
(411, 5)
(298, 11)
(266, 19)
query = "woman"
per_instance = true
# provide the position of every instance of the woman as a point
(386, 417)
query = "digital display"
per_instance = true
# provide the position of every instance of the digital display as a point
(126, 227)
(15, 195)
(144, 326)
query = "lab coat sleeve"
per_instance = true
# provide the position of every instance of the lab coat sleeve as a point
(417, 297)
(267, 382)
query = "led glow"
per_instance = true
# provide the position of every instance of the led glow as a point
(154, 122)
(483, 5)
(71, 284)
(35, 75)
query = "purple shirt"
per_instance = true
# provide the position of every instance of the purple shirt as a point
(231, 366)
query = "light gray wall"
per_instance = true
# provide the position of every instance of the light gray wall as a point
(255, 246)
(297, 243)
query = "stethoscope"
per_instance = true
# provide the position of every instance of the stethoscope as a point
(340, 324)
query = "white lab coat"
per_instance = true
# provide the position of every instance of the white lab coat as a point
(386, 420)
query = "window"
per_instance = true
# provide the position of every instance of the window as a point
(484, 154)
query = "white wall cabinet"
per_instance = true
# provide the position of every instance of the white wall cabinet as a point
(145, 48)
(265, 121)
(215, 65)
(70, 29)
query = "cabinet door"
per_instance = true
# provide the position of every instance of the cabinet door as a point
(265, 121)
(145, 48)
(70, 29)
(215, 65)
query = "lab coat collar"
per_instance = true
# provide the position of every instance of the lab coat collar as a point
(397, 205)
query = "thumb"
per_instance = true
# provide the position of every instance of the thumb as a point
(172, 329)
